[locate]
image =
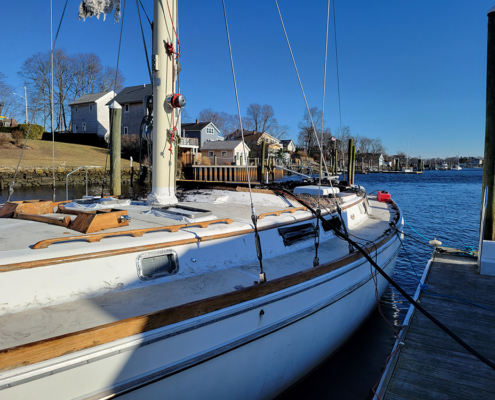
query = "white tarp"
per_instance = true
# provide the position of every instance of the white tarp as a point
(89, 8)
(98, 206)
(180, 218)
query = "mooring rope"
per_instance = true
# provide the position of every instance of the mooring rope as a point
(417, 305)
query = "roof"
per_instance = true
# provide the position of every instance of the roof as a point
(133, 94)
(88, 98)
(249, 135)
(222, 145)
(193, 126)
(286, 141)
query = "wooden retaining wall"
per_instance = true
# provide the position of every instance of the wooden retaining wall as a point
(228, 173)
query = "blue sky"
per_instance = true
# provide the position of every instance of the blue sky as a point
(407, 68)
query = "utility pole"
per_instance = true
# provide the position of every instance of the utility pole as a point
(26, 102)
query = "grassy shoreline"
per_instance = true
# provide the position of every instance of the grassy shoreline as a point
(39, 154)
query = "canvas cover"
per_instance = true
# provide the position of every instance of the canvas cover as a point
(89, 8)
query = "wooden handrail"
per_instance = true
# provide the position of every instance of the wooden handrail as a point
(134, 233)
(278, 213)
(42, 350)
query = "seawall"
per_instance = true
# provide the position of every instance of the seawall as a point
(42, 176)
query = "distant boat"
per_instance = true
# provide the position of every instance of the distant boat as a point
(456, 167)
(444, 167)
(406, 168)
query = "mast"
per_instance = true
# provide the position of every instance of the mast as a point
(163, 177)
(407, 155)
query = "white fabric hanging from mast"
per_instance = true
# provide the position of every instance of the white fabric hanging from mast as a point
(89, 8)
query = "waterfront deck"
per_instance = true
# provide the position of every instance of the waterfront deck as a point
(430, 364)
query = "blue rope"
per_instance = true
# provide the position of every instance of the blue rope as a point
(465, 251)
(416, 231)
(410, 262)
(424, 287)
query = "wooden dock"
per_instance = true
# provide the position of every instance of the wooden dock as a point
(428, 363)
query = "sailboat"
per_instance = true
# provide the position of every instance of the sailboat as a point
(457, 167)
(216, 292)
(406, 169)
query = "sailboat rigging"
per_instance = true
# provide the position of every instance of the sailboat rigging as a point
(168, 294)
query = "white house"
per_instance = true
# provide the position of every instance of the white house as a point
(288, 145)
(89, 113)
(228, 152)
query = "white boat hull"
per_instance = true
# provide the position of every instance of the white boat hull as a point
(255, 349)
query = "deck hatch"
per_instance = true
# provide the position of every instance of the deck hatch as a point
(297, 233)
(156, 264)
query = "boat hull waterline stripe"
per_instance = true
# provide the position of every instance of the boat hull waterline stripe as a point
(50, 348)
(279, 325)
(202, 358)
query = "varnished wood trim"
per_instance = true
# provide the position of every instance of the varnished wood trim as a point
(42, 350)
(29, 207)
(135, 233)
(53, 220)
(109, 253)
(278, 213)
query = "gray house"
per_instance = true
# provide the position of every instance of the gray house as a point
(203, 131)
(131, 99)
(89, 113)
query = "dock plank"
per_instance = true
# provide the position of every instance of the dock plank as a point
(430, 364)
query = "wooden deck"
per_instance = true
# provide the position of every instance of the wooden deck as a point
(430, 364)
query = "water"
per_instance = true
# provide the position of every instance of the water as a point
(441, 204)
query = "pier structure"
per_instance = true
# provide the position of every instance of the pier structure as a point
(425, 362)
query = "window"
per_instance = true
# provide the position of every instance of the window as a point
(84, 126)
(74, 128)
(209, 130)
(127, 108)
(210, 154)
(224, 154)
(126, 130)
(91, 107)
(76, 108)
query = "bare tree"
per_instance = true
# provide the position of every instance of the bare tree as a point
(307, 135)
(377, 146)
(74, 76)
(185, 116)
(262, 119)
(11, 106)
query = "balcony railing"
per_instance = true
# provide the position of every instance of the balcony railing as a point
(185, 141)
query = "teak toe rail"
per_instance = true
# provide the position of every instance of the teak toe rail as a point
(280, 212)
(134, 233)
(47, 349)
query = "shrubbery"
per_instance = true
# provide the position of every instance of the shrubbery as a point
(7, 129)
(18, 137)
(4, 138)
(36, 131)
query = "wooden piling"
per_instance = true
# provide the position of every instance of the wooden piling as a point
(115, 147)
(489, 161)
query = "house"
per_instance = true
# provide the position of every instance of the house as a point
(8, 122)
(370, 157)
(257, 138)
(288, 145)
(89, 113)
(229, 152)
(202, 131)
(132, 101)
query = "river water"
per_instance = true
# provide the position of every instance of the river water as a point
(441, 204)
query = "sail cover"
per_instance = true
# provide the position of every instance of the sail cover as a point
(88, 8)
